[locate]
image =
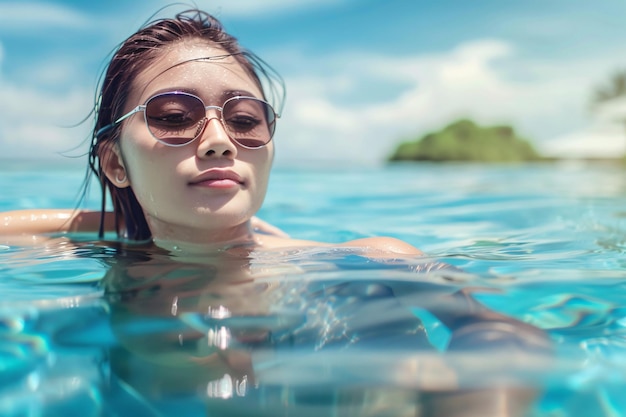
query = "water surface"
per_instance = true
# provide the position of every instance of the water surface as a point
(115, 330)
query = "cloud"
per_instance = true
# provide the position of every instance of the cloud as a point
(598, 140)
(34, 120)
(603, 137)
(37, 125)
(24, 16)
(331, 116)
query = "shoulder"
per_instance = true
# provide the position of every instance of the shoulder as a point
(378, 246)
(277, 241)
(388, 245)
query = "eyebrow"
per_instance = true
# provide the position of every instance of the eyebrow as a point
(224, 96)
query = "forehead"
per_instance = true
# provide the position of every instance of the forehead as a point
(193, 65)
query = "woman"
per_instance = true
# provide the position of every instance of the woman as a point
(183, 145)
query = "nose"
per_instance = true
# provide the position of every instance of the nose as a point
(214, 141)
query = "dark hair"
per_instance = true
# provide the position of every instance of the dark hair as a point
(134, 55)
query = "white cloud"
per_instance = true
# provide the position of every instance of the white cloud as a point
(478, 79)
(34, 121)
(28, 15)
(598, 140)
(37, 125)
(53, 74)
(603, 137)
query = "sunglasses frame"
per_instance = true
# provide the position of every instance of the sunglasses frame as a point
(143, 107)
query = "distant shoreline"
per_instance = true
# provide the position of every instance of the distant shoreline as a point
(80, 163)
(14, 164)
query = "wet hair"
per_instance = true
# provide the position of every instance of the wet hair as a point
(132, 57)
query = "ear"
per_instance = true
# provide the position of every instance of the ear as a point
(113, 166)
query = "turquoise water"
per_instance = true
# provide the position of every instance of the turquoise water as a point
(89, 328)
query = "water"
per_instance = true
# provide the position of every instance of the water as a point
(88, 328)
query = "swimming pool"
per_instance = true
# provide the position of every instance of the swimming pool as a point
(316, 332)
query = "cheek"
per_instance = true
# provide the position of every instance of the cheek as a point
(261, 161)
(148, 168)
(135, 160)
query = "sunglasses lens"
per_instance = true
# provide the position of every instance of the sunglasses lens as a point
(249, 122)
(175, 119)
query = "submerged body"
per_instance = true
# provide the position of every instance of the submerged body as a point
(302, 330)
(298, 329)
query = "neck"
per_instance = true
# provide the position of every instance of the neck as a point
(201, 240)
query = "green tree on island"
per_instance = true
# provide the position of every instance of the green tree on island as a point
(464, 140)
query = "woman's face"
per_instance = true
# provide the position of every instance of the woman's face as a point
(206, 189)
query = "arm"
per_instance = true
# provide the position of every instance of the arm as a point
(474, 326)
(43, 221)
(495, 340)
(477, 331)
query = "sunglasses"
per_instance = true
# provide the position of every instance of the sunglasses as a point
(177, 119)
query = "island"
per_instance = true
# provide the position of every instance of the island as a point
(466, 141)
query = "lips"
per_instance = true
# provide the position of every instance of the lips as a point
(218, 178)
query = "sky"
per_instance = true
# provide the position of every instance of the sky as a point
(361, 75)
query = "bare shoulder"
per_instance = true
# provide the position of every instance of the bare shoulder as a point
(376, 246)
(277, 241)
(382, 245)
